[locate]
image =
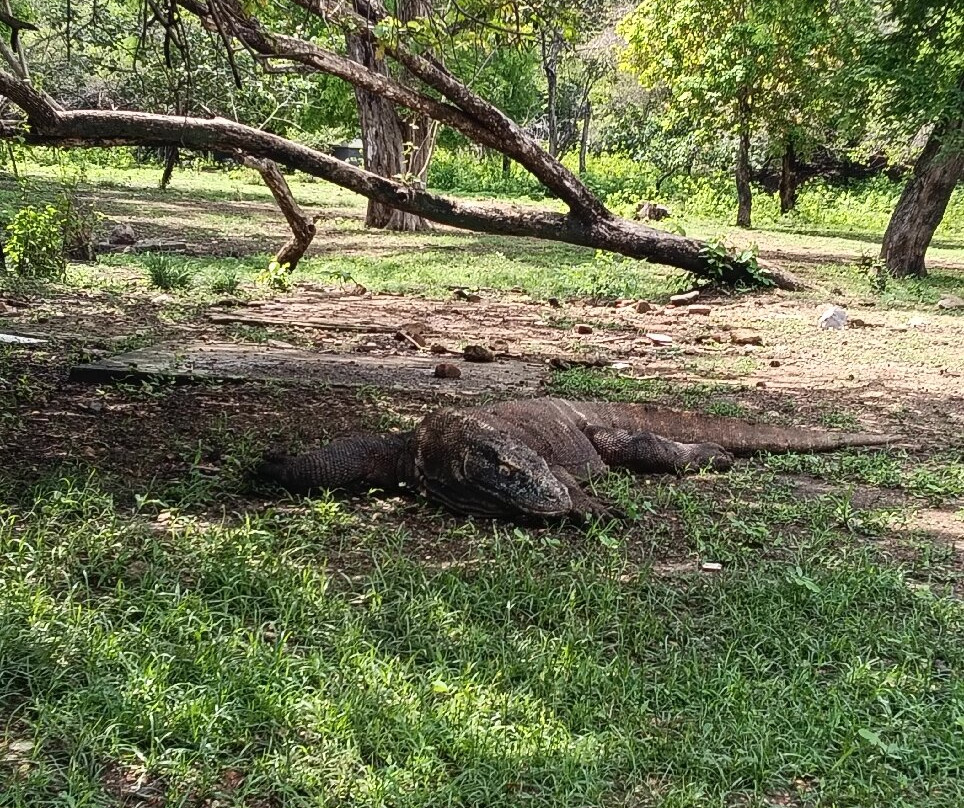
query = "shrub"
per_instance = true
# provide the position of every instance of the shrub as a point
(226, 282)
(34, 243)
(167, 272)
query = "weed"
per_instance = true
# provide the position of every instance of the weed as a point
(226, 282)
(34, 243)
(168, 272)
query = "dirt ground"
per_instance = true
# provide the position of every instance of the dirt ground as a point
(895, 370)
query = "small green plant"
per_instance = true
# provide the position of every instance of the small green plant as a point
(34, 244)
(275, 276)
(166, 272)
(726, 263)
(226, 282)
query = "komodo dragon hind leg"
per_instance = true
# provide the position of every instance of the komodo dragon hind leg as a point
(647, 453)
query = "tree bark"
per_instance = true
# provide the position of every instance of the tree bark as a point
(788, 179)
(923, 201)
(302, 226)
(743, 193)
(105, 128)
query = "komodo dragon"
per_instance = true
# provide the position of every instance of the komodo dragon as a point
(520, 459)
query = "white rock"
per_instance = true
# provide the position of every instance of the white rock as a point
(917, 322)
(833, 317)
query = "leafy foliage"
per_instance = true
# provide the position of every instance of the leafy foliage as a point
(34, 243)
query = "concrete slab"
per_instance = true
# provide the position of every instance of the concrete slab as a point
(231, 361)
(20, 339)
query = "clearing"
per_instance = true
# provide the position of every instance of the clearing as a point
(172, 634)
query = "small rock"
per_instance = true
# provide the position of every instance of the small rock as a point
(554, 302)
(701, 309)
(623, 302)
(717, 336)
(951, 302)
(833, 317)
(583, 328)
(711, 566)
(277, 343)
(775, 363)
(470, 297)
(682, 300)
(659, 339)
(160, 300)
(651, 211)
(642, 306)
(437, 348)
(478, 353)
(856, 322)
(122, 234)
(761, 384)
(916, 322)
(746, 338)
(446, 370)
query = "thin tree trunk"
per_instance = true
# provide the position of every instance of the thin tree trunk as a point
(170, 160)
(788, 179)
(923, 202)
(506, 166)
(551, 45)
(743, 192)
(584, 141)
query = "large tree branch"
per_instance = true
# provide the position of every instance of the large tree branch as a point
(101, 128)
(468, 113)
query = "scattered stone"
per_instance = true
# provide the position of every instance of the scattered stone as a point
(699, 309)
(761, 384)
(775, 363)
(682, 300)
(917, 322)
(643, 306)
(833, 317)
(162, 299)
(478, 353)
(951, 302)
(278, 343)
(651, 211)
(746, 338)
(583, 328)
(446, 370)
(659, 339)
(554, 302)
(437, 348)
(122, 234)
(717, 336)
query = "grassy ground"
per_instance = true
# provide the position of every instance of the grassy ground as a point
(171, 634)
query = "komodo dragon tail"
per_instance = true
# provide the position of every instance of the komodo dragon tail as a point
(737, 436)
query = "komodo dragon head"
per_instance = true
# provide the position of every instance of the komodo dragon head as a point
(479, 472)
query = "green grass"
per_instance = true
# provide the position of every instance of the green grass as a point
(227, 660)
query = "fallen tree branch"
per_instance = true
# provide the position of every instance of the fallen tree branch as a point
(105, 128)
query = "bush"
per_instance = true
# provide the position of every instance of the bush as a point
(226, 282)
(34, 243)
(167, 272)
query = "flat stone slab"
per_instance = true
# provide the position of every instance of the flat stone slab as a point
(231, 361)
(19, 339)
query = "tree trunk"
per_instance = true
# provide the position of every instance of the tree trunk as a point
(788, 179)
(743, 192)
(584, 141)
(170, 160)
(383, 140)
(506, 166)
(922, 204)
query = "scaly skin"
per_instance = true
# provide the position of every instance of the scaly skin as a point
(526, 459)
